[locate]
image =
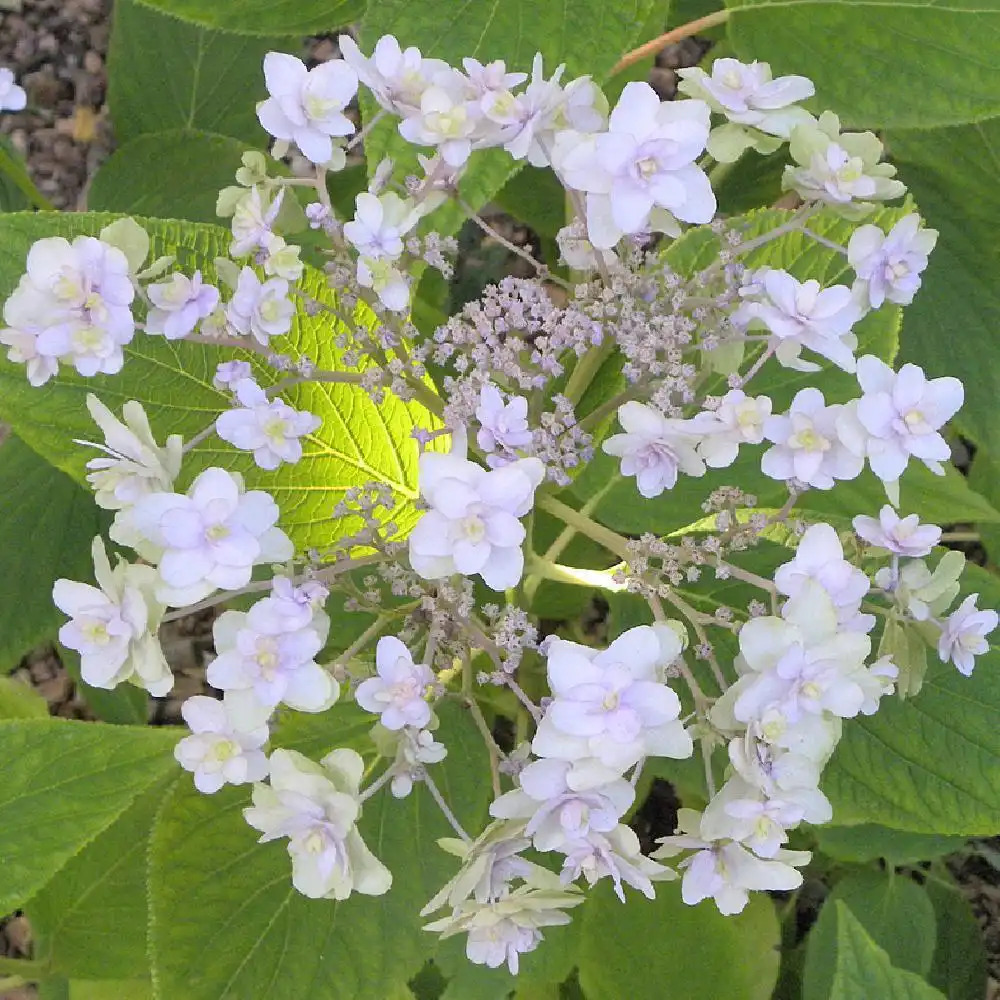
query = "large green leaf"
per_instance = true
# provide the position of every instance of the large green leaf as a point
(19, 700)
(587, 35)
(167, 175)
(930, 764)
(895, 63)
(646, 950)
(264, 17)
(951, 328)
(47, 527)
(93, 916)
(227, 924)
(169, 74)
(869, 842)
(862, 969)
(357, 443)
(64, 784)
(959, 965)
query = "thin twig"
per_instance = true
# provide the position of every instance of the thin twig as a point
(674, 35)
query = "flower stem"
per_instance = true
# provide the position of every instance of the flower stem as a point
(674, 35)
(444, 807)
(579, 521)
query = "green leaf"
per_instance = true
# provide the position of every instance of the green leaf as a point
(930, 764)
(64, 784)
(587, 35)
(227, 924)
(93, 915)
(15, 182)
(899, 64)
(169, 74)
(635, 950)
(110, 989)
(20, 701)
(952, 175)
(959, 965)
(264, 17)
(167, 175)
(862, 969)
(46, 531)
(869, 842)
(357, 443)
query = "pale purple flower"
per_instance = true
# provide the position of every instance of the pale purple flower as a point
(307, 106)
(260, 667)
(900, 414)
(379, 224)
(416, 748)
(253, 220)
(318, 214)
(502, 426)
(218, 751)
(888, 265)
(738, 419)
(473, 526)
(210, 538)
(490, 77)
(259, 309)
(180, 304)
(12, 97)
(229, 373)
(399, 693)
(654, 448)
(903, 536)
(802, 314)
(806, 444)
(270, 428)
(445, 119)
(641, 173)
(615, 855)
(963, 636)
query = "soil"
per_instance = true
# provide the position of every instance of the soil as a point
(57, 50)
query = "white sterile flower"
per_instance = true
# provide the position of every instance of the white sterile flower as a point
(615, 855)
(209, 538)
(503, 426)
(260, 309)
(654, 448)
(502, 930)
(416, 748)
(379, 224)
(289, 607)
(802, 314)
(12, 97)
(180, 304)
(556, 814)
(388, 282)
(724, 870)
(574, 247)
(397, 78)
(307, 106)
(903, 536)
(740, 811)
(752, 101)
(641, 173)
(472, 525)
(445, 120)
(270, 428)
(262, 662)
(963, 637)
(254, 213)
(901, 414)
(841, 170)
(807, 445)
(491, 77)
(316, 807)
(133, 464)
(489, 863)
(228, 374)
(72, 305)
(219, 751)
(608, 709)
(530, 121)
(888, 265)
(819, 557)
(878, 681)
(282, 260)
(800, 664)
(398, 693)
(113, 625)
(924, 594)
(738, 419)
